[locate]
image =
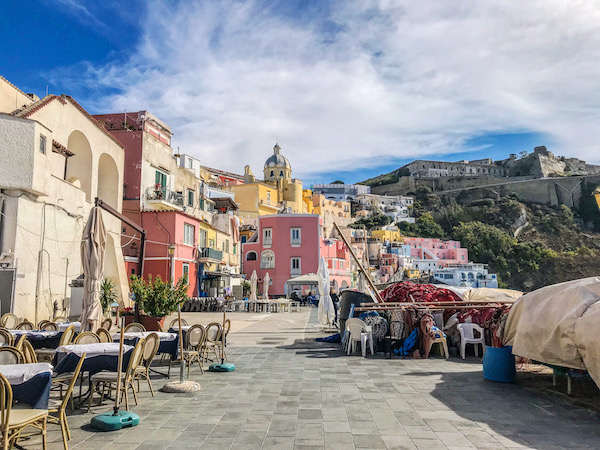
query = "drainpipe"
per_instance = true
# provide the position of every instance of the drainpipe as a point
(39, 267)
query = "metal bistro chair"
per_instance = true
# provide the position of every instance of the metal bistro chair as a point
(9, 321)
(150, 350)
(106, 324)
(6, 337)
(10, 355)
(49, 326)
(14, 421)
(60, 319)
(196, 336)
(59, 406)
(28, 352)
(175, 322)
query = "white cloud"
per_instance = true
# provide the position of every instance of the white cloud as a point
(360, 83)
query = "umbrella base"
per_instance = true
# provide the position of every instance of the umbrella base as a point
(175, 387)
(112, 422)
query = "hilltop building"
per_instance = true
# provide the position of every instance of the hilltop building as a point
(277, 193)
(340, 191)
(466, 275)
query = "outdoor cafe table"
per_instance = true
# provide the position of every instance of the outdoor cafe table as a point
(40, 339)
(168, 342)
(99, 357)
(30, 383)
(65, 325)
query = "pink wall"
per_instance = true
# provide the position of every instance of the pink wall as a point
(311, 248)
(446, 250)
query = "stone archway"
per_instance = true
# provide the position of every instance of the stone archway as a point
(79, 167)
(108, 180)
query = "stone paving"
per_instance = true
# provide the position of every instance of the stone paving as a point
(307, 395)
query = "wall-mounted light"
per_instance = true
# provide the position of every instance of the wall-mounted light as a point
(171, 250)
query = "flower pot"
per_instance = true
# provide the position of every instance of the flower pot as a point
(149, 323)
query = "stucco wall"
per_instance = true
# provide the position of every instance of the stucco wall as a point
(12, 98)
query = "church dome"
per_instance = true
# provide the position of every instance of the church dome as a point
(277, 159)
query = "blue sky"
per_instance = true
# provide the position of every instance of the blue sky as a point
(348, 89)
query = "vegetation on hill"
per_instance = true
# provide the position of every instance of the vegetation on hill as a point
(528, 245)
(377, 220)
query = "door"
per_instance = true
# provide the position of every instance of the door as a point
(7, 286)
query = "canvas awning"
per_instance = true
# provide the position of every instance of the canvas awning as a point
(309, 278)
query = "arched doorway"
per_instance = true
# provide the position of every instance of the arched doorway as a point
(108, 181)
(79, 168)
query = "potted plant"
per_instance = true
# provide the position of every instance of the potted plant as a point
(156, 299)
(108, 295)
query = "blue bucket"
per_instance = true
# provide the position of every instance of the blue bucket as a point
(499, 364)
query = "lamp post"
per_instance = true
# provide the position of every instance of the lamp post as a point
(172, 261)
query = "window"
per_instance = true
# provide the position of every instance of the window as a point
(201, 204)
(188, 234)
(268, 197)
(251, 256)
(235, 249)
(185, 271)
(272, 173)
(202, 239)
(190, 164)
(42, 144)
(267, 236)
(160, 179)
(190, 197)
(226, 245)
(296, 269)
(267, 260)
(295, 236)
(281, 173)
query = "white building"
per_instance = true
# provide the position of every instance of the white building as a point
(56, 159)
(398, 207)
(466, 275)
(341, 192)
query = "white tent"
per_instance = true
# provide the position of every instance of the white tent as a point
(266, 282)
(253, 281)
(309, 279)
(326, 308)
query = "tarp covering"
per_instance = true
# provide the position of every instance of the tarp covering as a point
(253, 282)
(266, 282)
(559, 325)
(476, 294)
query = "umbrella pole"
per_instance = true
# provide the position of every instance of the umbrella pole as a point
(119, 364)
(182, 365)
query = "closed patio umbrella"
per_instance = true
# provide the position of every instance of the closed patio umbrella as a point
(326, 310)
(266, 282)
(93, 246)
(253, 282)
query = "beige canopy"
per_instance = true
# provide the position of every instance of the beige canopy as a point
(476, 294)
(558, 325)
(93, 246)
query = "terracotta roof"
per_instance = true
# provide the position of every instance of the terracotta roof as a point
(33, 108)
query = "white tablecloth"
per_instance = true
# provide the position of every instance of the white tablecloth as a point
(35, 333)
(162, 336)
(104, 348)
(64, 326)
(183, 328)
(20, 373)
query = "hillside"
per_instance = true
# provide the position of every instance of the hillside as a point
(529, 245)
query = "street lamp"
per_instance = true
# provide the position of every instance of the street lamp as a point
(172, 260)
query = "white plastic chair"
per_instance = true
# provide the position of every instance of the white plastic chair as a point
(468, 337)
(358, 331)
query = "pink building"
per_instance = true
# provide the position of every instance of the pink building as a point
(289, 245)
(433, 254)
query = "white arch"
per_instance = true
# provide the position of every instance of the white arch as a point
(108, 180)
(79, 166)
(267, 259)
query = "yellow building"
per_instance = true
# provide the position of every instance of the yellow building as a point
(279, 192)
(387, 235)
(307, 200)
(326, 207)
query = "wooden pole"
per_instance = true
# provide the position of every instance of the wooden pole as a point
(360, 266)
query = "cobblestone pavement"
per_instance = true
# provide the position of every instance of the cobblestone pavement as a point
(307, 395)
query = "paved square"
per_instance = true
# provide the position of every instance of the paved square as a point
(307, 395)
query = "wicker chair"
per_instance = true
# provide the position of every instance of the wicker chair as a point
(6, 337)
(150, 349)
(10, 355)
(104, 335)
(211, 342)
(106, 324)
(110, 378)
(28, 352)
(175, 322)
(60, 319)
(14, 421)
(41, 323)
(25, 325)
(49, 326)
(134, 328)
(59, 407)
(87, 337)
(9, 321)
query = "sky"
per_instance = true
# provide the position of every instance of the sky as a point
(349, 89)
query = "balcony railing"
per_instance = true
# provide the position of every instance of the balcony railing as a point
(211, 253)
(165, 195)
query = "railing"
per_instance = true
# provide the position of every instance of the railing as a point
(164, 194)
(207, 252)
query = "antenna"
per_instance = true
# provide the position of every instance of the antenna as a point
(46, 90)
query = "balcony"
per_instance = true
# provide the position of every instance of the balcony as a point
(163, 199)
(210, 255)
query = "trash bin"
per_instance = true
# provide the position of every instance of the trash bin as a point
(347, 299)
(499, 364)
